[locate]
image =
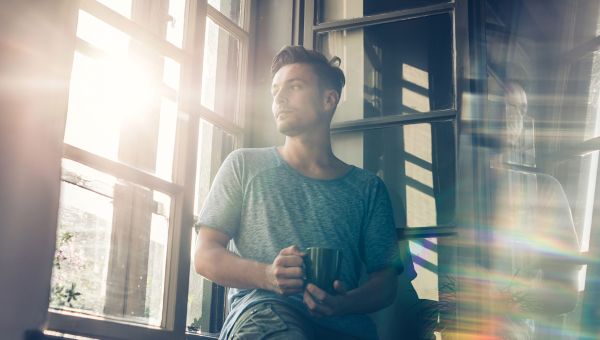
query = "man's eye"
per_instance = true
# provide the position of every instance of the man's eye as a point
(295, 87)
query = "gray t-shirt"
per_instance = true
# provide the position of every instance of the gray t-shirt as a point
(265, 205)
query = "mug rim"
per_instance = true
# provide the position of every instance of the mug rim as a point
(324, 248)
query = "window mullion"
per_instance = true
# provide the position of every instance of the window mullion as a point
(591, 293)
(224, 22)
(581, 50)
(135, 30)
(247, 14)
(400, 15)
(243, 81)
(119, 170)
(177, 285)
(379, 122)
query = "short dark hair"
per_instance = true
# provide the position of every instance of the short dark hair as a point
(328, 71)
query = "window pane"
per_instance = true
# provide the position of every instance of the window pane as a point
(214, 145)
(432, 258)
(175, 26)
(83, 241)
(417, 164)
(165, 146)
(330, 10)
(394, 69)
(232, 9)
(220, 77)
(122, 7)
(111, 250)
(122, 103)
(425, 259)
(100, 34)
(199, 298)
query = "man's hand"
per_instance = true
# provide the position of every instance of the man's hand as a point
(286, 275)
(320, 303)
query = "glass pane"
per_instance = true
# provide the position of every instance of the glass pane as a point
(103, 36)
(111, 247)
(175, 26)
(417, 164)
(214, 145)
(165, 147)
(220, 77)
(331, 10)
(397, 68)
(122, 7)
(105, 98)
(171, 73)
(233, 9)
(199, 297)
(118, 107)
(431, 258)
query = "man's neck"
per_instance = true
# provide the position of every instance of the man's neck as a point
(313, 157)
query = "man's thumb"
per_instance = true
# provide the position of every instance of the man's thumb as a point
(339, 287)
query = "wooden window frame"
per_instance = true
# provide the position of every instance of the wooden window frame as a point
(181, 188)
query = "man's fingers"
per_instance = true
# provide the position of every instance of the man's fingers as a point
(292, 250)
(290, 286)
(288, 272)
(315, 307)
(310, 301)
(289, 261)
(317, 293)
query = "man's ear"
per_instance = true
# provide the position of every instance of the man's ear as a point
(331, 100)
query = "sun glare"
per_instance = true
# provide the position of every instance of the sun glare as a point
(105, 93)
(112, 89)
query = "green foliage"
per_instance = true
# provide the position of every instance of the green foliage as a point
(60, 255)
(194, 326)
(63, 294)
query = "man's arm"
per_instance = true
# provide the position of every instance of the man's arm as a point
(213, 261)
(378, 292)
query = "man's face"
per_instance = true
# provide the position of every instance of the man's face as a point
(299, 105)
(516, 108)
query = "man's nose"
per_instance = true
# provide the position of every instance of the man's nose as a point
(280, 97)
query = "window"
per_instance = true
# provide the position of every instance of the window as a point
(411, 77)
(155, 105)
(397, 114)
(332, 10)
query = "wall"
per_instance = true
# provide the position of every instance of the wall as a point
(36, 47)
(273, 29)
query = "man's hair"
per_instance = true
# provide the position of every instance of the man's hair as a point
(328, 72)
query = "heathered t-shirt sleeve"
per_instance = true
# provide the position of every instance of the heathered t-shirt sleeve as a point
(222, 208)
(379, 246)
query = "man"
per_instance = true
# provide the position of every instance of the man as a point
(275, 202)
(519, 126)
(534, 242)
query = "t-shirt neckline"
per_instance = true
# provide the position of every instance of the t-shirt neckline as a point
(298, 173)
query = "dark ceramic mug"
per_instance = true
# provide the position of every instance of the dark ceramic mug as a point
(323, 267)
